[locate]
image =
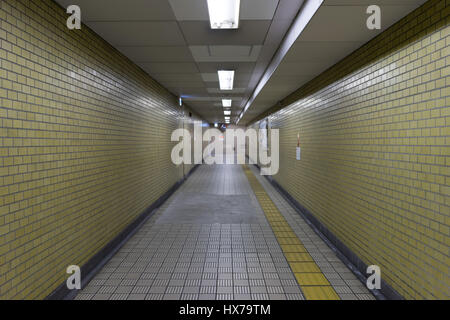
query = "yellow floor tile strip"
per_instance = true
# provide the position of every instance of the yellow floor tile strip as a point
(310, 278)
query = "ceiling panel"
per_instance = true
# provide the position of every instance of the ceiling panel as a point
(214, 100)
(296, 80)
(249, 33)
(210, 77)
(239, 77)
(170, 67)
(199, 91)
(348, 23)
(216, 53)
(299, 68)
(197, 10)
(239, 67)
(178, 77)
(181, 84)
(224, 51)
(217, 90)
(258, 9)
(281, 88)
(190, 10)
(142, 33)
(157, 53)
(120, 10)
(317, 51)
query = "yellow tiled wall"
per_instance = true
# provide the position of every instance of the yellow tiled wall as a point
(84, 145)
(375, 138)
(190, 122)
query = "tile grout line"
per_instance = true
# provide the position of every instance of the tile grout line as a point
(313, 284)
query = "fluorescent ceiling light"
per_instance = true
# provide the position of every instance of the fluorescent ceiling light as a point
(224, 14)
(226, 79)
(226, 103)
(227, 118)
(227, 113)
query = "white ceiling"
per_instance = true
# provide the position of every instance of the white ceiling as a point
(171, 40)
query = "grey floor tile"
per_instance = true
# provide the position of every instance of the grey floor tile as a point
(144, 282)
(154, 296)
(194, 290)
(91, 289)
(189, 296)
(157, 289)
(181, 253)
(119, 296)
(261, 289)
(277, 296)
(291, 289)
(136, 296)
(173, 290)
(208, 290)
(348, 296)
(294, 296)
(365, 296)
(84, 296)
(101, 296)
(242, 282)
(273, 282)
(224, 296)
(260, 296)
(172, 296)
(124, 289)
(221, 290)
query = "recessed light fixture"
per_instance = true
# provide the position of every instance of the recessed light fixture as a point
(215, 125)
(226, 79)
(224, 14)
(227, 113)
(226, 103)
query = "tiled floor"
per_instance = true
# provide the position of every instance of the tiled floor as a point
(211, 240)
(337, 273)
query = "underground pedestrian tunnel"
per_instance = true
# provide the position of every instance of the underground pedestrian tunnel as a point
(224, 149)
